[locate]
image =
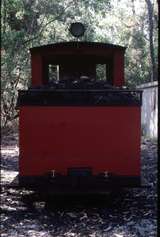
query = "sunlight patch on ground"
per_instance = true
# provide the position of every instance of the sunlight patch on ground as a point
(10, 150)
(8, 176)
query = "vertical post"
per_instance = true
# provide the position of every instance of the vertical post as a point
(36, 69)
(118, 68)
(109, 71)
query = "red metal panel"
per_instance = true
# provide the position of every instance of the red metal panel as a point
(37, 75)
(104, 138)
(118, 67)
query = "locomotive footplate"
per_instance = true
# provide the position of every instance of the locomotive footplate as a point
(78, 183)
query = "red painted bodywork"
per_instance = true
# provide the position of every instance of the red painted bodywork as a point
(118, 71)
(37, 70)
(56, 138)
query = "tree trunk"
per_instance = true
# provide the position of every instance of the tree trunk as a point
(151, 28)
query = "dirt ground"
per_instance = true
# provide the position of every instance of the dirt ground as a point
(132, 213)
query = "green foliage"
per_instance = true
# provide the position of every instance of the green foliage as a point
(29, 23)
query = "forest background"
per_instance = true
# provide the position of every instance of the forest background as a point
(29, 23)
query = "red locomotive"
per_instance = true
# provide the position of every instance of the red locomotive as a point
(79, 127)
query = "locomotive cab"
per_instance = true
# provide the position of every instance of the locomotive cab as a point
(73, 60)
(79, 127)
